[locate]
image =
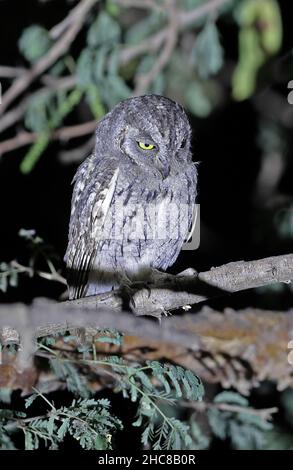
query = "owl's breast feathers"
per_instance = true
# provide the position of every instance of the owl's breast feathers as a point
(121, 221)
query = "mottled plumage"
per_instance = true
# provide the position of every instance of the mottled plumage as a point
(124, 220)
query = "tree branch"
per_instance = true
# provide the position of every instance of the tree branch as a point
(71, 25)
(185, 19)
(235, 348)
(64, 133)
(189, 287)
(202, 406)
(15, 114)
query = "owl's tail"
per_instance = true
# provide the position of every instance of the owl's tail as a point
(95, 288)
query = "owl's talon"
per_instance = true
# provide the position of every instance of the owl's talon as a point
(128, 293)
(140, 285)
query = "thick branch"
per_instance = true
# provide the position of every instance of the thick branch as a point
(173, 292)
(237, 349)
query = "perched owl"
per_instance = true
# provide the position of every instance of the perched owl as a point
(133, 198)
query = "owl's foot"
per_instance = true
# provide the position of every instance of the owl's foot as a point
(128, 294)
(130, 288)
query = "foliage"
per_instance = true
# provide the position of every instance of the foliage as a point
(207, 54)
(260, 36)
(88, 421)
(40, 254)
(34, 42)
(102, 79)
(155, 388)
(244, 429)
(150, 386)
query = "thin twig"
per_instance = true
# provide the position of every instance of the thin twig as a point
(64, 133)
(53, 275)
(144, 4)
(264, 413)
(11, 117)
(11, 72)
(185, 19)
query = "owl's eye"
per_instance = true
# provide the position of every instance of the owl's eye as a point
(145, 146)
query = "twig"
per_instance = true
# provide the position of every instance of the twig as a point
(144, 4)
(53, 275)
(59, 28)
(264, 413)
(64, 133)
(11, 117)
(56, 51)
(70, 132)
(184, 19)
(77, 154)
(11, 72)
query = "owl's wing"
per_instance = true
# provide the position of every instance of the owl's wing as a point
(92, 196)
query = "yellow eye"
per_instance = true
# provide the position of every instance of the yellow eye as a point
(145, 146)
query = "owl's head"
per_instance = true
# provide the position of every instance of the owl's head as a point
(150, 131)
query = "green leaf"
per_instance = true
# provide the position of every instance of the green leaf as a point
(104, 30)
(51, 425)
(207, 54)
(197, 101)
(34, 42)
(29, 441)
(101, 443)
(30, 400)
(232, 398)
(144, 28)
(33, 155)
(63, 429)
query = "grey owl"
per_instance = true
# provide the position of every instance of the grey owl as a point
(133, 198)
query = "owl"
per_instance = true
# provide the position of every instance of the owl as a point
(133, 197)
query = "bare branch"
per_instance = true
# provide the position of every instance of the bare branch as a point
(185, 19)
(263, 413)
(64, 133)
(187, 288)
(11, 117)
(11, 72)
(235, 348)
(144, 4)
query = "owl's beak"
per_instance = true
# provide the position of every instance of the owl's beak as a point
(163, 167)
